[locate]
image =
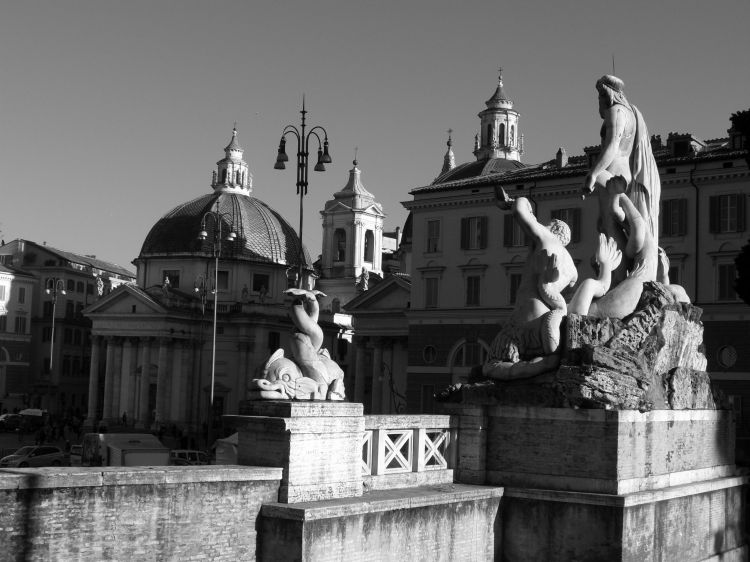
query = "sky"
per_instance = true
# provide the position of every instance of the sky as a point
(114, 112)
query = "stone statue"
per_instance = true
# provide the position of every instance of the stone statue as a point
(308, 373)
(626, 152)
(528, 344)
(594, 297)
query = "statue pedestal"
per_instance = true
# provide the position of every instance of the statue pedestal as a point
(607, 484)
(317, 444)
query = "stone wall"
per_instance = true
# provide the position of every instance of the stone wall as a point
(139, 513)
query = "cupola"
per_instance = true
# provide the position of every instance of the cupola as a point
(499, 135)
(232, 174)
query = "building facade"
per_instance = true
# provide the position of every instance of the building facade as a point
(48, 339)
(467, 255)
(207, 310)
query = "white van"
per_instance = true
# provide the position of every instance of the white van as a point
(123, 449)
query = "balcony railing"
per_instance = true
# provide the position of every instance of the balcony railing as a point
(400, 451)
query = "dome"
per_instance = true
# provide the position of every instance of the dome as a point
(262, 234)
(480, 168)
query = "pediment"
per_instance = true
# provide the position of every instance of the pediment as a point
(390, 294)
(123, 299)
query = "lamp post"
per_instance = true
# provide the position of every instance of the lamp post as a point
(54, 285)
(303, 145)
(215, 219)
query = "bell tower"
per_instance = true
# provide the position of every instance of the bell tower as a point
(499, 136)
(352, 232)
(232, 173)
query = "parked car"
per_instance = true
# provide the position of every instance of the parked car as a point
(187, 457)
(10, 422)
(41, 455)
(75, 455)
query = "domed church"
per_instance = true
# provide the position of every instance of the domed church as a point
(152, 348)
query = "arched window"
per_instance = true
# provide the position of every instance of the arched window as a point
(502, 133)
(339, 244)
(224, 176)
(512, 139)
(369, 244)
(489, 134)
(237, 178)
(469, 353)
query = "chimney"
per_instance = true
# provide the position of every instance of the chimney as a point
(561, 158)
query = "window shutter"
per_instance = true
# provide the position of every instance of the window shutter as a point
(740, 212)
(482, 232)
(713, 212)
(683, 217)
(464, 233)
(508, 231)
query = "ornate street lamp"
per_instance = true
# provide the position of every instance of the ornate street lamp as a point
(54, 285)
(215, 220)
(303, 145)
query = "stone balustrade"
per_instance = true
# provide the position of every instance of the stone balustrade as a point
(400, 451)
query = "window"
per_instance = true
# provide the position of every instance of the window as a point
(571, 217)
(223, 280)
(89, 289)
(472, 290)
(79, 309)
(470, 354)
(261, 282)
(274, 341)
(727, 213)
(433, 236)
(3, 323)
(501, 139)
(47, 309)
(473, 233)
(66, 365)
(515, 283)
(513, 235)
(431, 292)
(21, 295)
(674, 275)
(726, 274)
(79, 287)
(71, 285)
(2, 292)
(174, 277)
(369, 245)
(20, 324)
(674, 217)
(77, 337)
(339, 244)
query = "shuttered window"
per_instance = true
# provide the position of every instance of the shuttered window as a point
(727, 213)
(571, 217)
(473, 233)
(513, 235)
(674, 217)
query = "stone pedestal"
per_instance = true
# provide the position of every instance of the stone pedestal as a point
(318, 445)
(608, 485)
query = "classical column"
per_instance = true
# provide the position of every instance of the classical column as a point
(162, 378)
(144, 415)
(117, 379)
(386, 407)
(358, 384)
(109, 376)
(175, 411)
(127, 386)
(377, 375)
(93, 404)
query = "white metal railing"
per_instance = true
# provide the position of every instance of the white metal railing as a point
(401, 444)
